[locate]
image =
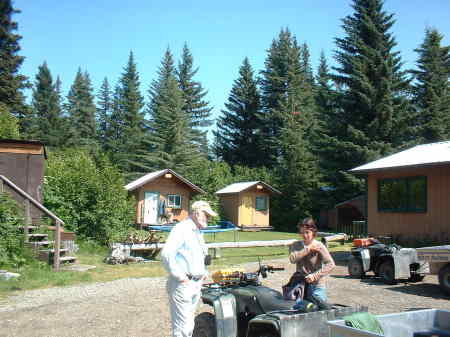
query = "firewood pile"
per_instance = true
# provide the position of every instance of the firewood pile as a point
(147, 238)
(123, 252)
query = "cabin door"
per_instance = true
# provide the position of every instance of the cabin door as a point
(151, 208)
(246, 216)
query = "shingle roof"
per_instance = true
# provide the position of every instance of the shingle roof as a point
(427, 154)
(153, 175)
(239, 187)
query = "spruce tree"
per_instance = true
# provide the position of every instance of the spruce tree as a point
(11, 81)
(104, 110)
(9, 124)
(373, 116)
(170, 142)
(238, 136)
(47, 125)
(286, 88)
(194, 96)
(81, 111)
(432, 88)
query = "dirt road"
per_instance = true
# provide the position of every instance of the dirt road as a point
(138, 307)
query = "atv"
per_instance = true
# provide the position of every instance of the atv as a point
(391, 263)
(243, 307)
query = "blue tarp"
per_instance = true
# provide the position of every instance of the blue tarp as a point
(223, 226)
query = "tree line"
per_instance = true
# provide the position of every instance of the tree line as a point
(299, 128)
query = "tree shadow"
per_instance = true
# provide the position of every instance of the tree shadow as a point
(421, 289)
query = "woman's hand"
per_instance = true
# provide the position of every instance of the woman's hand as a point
(314, 249)
(309, 278)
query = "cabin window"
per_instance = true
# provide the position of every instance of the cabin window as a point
(402, 194)
(261, 203)
(174, 201)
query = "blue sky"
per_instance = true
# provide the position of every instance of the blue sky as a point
(97, 35)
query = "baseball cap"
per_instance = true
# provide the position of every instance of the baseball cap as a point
(204, 206)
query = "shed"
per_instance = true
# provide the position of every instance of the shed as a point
(344, 213)
(22, 162)
(408, 193)
(162, 196)
(247, 204)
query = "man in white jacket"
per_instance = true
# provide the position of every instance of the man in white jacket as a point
(183, 257)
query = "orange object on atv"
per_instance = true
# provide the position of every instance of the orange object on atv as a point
(364, 242)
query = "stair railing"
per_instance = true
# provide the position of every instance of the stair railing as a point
(28, 201)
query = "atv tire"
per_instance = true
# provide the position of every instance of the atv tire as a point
(355, 268)
(205, 325)
(444, 279)
(387, 272)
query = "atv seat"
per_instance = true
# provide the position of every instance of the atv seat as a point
(272, 300)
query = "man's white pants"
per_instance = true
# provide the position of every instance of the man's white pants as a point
(183, 300)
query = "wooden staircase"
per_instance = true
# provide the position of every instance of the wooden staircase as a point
(45, 249)
(42, 247)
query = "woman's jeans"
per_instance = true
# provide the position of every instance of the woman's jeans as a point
(312, 291)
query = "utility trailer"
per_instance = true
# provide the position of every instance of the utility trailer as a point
(438, 258)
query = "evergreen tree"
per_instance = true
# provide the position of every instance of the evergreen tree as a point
(374, 113)
(11, 82)
(170, 141)
(194, 96)
(104, 110)
(286, 88)
(432, 90)
(9, 125)
(81, 110)
(47, 113)
(128, 118)
(237, 136)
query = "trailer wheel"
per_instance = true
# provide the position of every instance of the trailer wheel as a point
(444, 279)
(355, 268)
(205, 325)
(387, 272)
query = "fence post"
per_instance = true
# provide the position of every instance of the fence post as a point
(1, 185)
(27, 219)
(57, 238)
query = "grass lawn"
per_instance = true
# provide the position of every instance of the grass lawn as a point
(40, 275)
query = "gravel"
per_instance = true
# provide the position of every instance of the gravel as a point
(138, 307)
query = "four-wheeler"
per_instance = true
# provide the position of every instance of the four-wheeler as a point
(439, 259)
(390, 262)
(243, 307)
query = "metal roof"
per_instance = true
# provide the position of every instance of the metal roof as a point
(239, 187)
(153, 175)
(427, 154)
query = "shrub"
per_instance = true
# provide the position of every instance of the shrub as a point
(89, 196)
(12, 245)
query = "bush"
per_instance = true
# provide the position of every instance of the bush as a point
(12, 244)
(89, 196)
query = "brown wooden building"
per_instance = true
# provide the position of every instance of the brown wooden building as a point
(22, 162)
(344, 213)
(247, 204)
(408, 193)
(162, 196)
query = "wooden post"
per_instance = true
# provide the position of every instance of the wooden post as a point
(1, 185)
(57, 238)
(27, 219)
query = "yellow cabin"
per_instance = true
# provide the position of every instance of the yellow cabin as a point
(162, 197)
(247, 204)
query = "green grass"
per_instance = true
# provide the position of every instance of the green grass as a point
(40, 275)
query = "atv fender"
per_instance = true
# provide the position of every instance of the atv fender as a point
(224, 305)
(363, 254)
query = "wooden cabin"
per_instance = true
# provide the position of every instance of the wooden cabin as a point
(344, 214)
(22, 162)
(247, 204)
(408, 193)
(162, 197)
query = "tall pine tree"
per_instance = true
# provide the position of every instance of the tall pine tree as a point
(238, 138)
(81, 111)
(11, 81)
(47, 125)
(194, 96)
(170, 143)
(432, 88)
(373, 116)
(104, 110)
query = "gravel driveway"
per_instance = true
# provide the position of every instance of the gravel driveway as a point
(138, 307)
